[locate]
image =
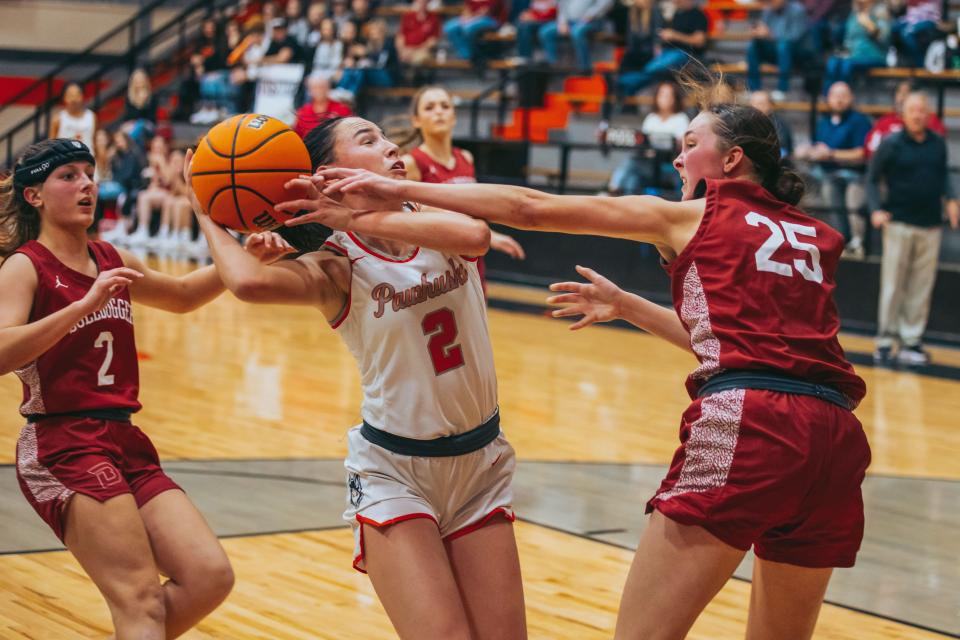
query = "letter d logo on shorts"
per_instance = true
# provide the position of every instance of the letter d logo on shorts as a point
(106, 474)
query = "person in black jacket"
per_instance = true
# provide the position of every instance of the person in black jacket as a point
(913, 165)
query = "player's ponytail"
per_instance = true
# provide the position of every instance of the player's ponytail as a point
(19, 221)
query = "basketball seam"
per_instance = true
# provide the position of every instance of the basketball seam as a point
(233, 177)
(256, 148)
(216, 173)
(212, 148)
(240, 188)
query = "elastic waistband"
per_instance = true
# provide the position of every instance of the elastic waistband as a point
(771, 381)
(457, 445)
(111, 415)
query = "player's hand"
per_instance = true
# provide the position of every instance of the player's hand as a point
(342, 181)
(506, 244)
(880, 218)
(597, 300)
(267, 246)
(107, 284)
(187, 179)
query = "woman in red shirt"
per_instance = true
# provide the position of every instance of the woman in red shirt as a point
(418, 35)
(436, 160)
(320, 107)
(478, 17)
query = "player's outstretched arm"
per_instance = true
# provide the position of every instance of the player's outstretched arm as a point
(319, 278)
(22, 341)
(600, 300)
(179, 294)
(444, 231)
(641, 218)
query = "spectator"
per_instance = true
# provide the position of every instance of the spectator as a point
(685, 36)
(362, 12)
(140, 108)
(781, 38)
(341, 13)
(316, 14)
(763, 102)
(375, 64)
(893, 122)
(578, 19)
(866, 43)
(328, 53)
(126, 165)
(418, 35)
(477, 18)
(839, 157)
(319, 107)
(917, 29)
(538, 16)
(645, 22)
(159, 172)
(913, 165)
(664, 128)
(297, 26)
(283, 48)
(74, 121)
(827, 19)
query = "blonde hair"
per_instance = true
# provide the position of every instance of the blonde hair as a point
(138, 88)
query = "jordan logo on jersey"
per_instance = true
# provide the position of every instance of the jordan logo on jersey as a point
(453, 278)
(60, 284)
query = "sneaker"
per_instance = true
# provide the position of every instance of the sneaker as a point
(778, 96)
(853, 252)
(914, 356)
(507, 31)
(883, 356)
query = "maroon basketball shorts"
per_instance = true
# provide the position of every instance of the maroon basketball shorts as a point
(779, 472)
(60, 456)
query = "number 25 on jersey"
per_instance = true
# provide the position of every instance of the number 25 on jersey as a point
(789, 232)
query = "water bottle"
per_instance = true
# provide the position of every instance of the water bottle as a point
(892, 58)
(441, 55)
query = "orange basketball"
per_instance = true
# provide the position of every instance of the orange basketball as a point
(240, 168)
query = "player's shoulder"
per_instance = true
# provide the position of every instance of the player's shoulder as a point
(17, 264)
(18, 270)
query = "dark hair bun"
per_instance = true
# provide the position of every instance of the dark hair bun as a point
(789, 186)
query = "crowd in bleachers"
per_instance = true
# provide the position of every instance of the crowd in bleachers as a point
(339, 48)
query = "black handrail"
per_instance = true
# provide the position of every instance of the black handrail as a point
(43, 112)
(130, 24)
(500, 85)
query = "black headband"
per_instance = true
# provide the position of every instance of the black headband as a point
(59, 152)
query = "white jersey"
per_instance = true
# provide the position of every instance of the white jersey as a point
(77, 127)
(417, 326)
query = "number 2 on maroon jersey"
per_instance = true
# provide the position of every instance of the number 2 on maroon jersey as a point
(764, 255)
(441, 326)
(105, 339)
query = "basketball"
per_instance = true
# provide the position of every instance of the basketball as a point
(240, 167)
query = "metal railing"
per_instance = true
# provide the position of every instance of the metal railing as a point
(172, 36)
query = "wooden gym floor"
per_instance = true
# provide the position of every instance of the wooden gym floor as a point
(248, 407)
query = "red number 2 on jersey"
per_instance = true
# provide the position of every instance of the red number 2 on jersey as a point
(441, 326)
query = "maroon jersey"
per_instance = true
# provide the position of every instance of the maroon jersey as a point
(94, 366)
(754, 288)
(433, 171)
